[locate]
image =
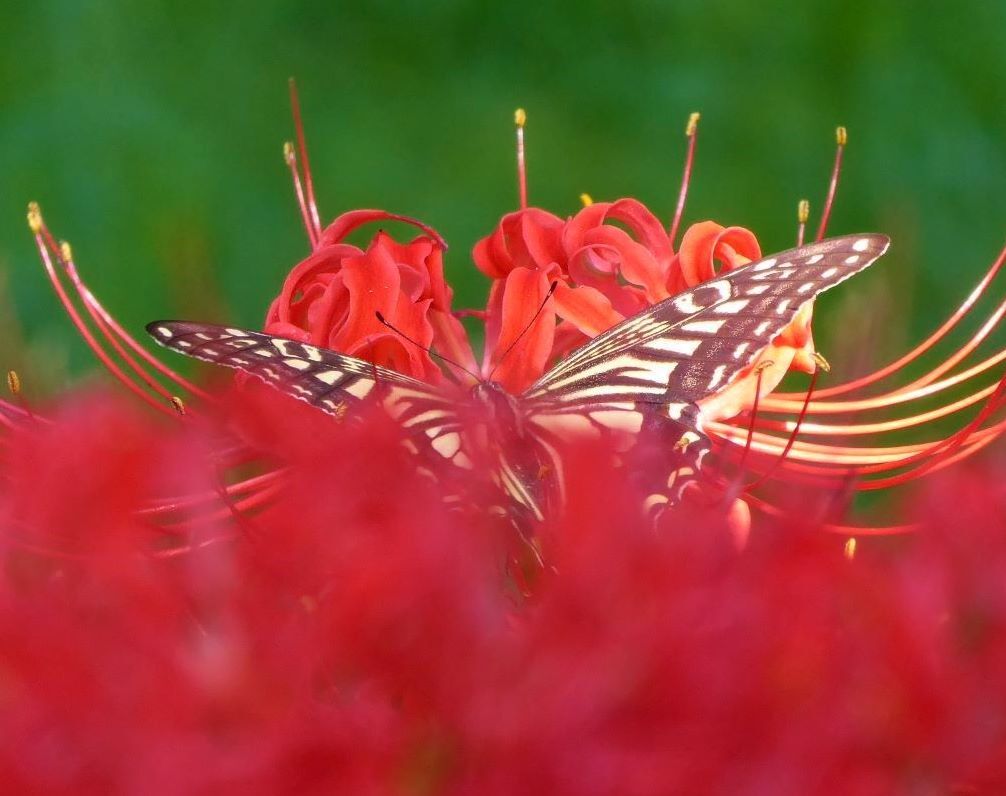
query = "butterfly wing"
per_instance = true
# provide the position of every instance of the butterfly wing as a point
(648, 371)
(330, 381)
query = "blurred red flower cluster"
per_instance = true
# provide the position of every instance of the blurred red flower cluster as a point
(363, 639)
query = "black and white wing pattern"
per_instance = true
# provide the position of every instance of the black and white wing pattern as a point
(332, 382)
(646, 373)
(692, 345)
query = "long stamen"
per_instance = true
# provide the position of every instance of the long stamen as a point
(692, 133)
(792, 437)
(924, 346)
(841, 138)
(105, 324)
(519, 120)
(312, 205)
(290, 156)
(843, 530)
(36, 225)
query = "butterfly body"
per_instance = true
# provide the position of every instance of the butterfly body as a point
(638, 384)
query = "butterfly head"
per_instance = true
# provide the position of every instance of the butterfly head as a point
(498, 404)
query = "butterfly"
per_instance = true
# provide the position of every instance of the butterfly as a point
(639, 380)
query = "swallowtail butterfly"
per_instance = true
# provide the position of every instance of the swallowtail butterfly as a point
(639, 379)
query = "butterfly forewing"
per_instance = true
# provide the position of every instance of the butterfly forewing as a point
(332, 382)
(691, 345)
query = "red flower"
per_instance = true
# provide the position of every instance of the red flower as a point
(606, 273)
(330, 298)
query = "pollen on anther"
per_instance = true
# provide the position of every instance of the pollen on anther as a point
(13, 382)
(34, 218)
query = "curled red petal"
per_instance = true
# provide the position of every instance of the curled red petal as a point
(347, 222)
(706, 243)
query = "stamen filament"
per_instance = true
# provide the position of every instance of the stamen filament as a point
(841, 137)
(312, 205)
(920, 349)
(692, 133)
(290, 156)
(520, 119)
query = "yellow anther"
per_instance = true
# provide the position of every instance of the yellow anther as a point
(821, 362)
(66, 251)
(34, 218)
(841, 136)
(693, 123)
(178, 404)
(586, 200)
(763, 366)
(13, 382)
(340, 410)
(850, 548)
(519, 117)
(288, 152)
(803, 211)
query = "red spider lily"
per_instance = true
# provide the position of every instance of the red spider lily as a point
(603, 271)
(330, 299)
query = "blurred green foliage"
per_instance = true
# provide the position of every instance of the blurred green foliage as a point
(151, 133)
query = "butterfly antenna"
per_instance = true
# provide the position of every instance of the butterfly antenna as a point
(428, 349)
(527, 328)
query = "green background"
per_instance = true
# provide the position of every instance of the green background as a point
(151, 133)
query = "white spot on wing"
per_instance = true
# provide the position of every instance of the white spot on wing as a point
(718, 374)
(328, 376)
(852, 259)
(447, 444)
(236, 332)
(165, 332)
(828, 274)
(764, 265)
(861, 245)
(297, 364)
(686, 303)
(674, 345)
(731, 307)
(703, 327)
(360, 388)
(815, 259)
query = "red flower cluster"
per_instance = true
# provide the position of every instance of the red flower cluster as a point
(303, 609)
(363, 639)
